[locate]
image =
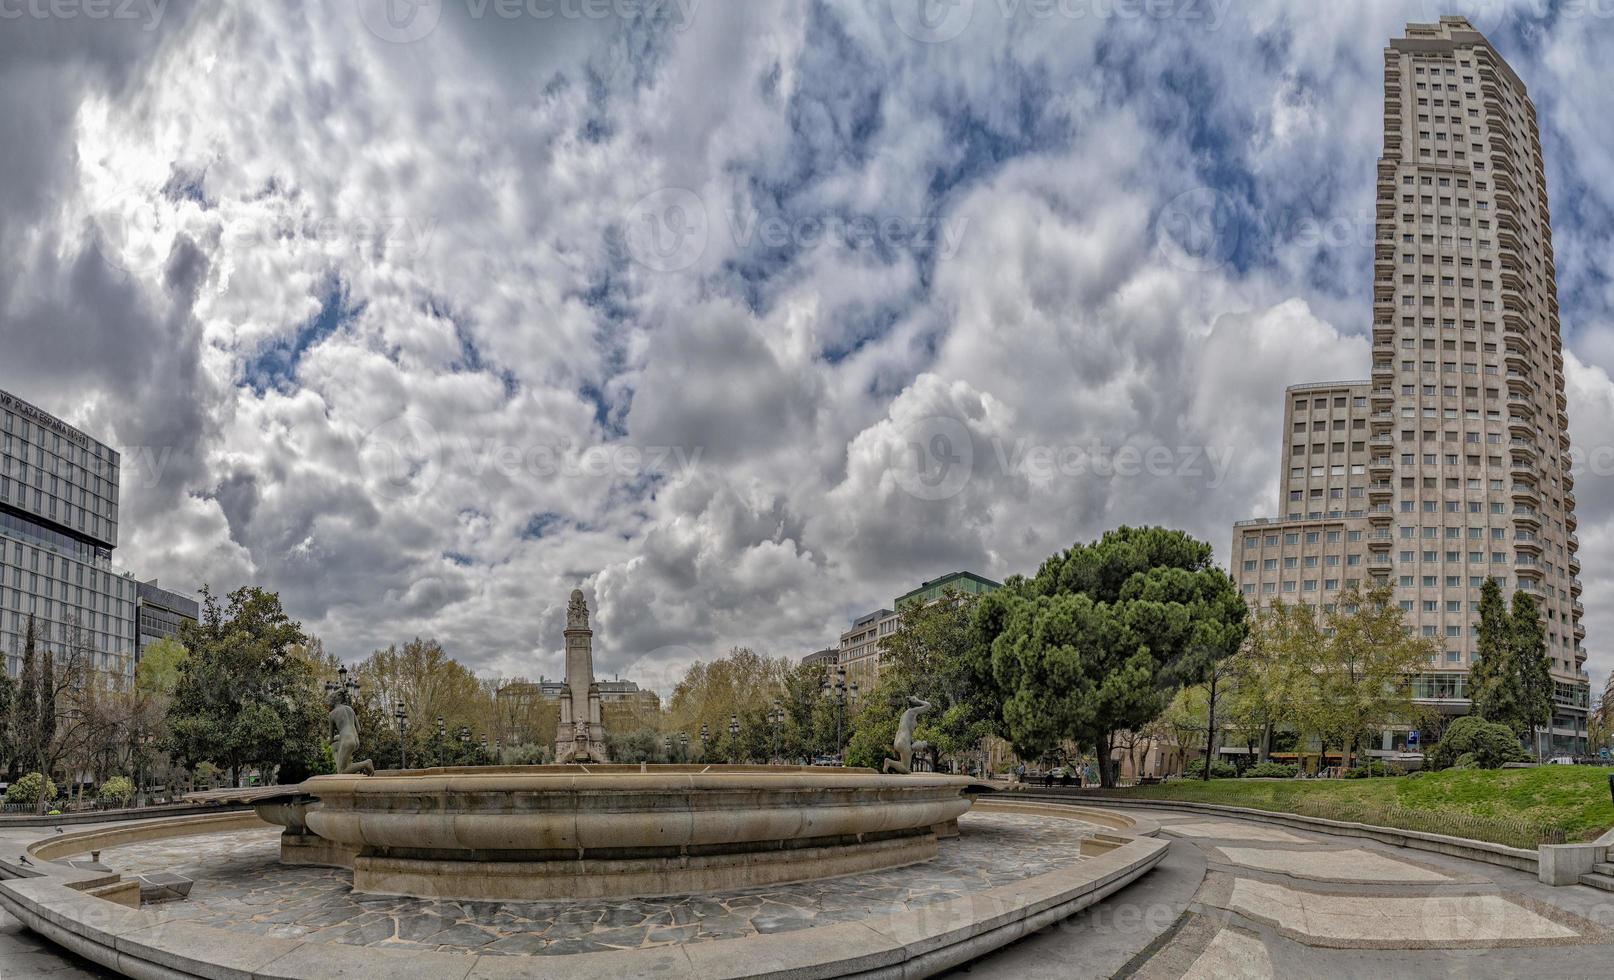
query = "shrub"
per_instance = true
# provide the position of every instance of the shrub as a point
(27, 789)
(1219, 770)
(1471, 742)
(1272, 770)
(1374, 769)
(117, 790)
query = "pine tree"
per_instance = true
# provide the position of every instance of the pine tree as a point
(1531, 672)
(1491, 681)
(26, 713)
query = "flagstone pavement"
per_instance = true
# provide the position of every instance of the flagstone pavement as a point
(1232, 899)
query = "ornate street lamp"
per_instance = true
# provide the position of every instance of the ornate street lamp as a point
(704, 736)
(734, 738)
(776, 716)
(683, 746)
(838, 691)
(401, 715)
(344, 687)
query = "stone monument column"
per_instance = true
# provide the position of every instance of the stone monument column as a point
(581, 734)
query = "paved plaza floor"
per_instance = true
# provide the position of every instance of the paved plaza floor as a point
(241, 886)
(1276, 903)
(1232, 899)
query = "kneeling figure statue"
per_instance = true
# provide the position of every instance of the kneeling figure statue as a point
(904, 743)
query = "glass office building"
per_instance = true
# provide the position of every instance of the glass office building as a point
(58, 529)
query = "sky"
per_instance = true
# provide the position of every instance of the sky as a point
(743, 317)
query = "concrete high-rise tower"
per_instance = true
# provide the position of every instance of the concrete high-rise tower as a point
(1451, 464)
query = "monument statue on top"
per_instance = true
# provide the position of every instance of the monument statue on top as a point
(904, 744)
(580, 737)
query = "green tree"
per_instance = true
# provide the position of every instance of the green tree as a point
(1532, 669)
(932, 655)
(245, 697)
(1266, 677)
(1101, 636)
(8, 731)
(1491, 680)
(159, 668)
(25, 716)
(1360, 660)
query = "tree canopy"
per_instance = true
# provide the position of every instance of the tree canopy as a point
(244, 696)
(1101, 636)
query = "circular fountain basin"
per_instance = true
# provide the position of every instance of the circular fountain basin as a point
(542, 832)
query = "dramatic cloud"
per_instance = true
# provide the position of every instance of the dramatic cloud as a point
(745, 317)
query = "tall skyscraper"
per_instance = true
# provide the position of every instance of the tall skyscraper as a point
(58, 527)
(1451, 464)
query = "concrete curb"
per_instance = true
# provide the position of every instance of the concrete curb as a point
(916, 943)
(10, 820)
(1473, 850)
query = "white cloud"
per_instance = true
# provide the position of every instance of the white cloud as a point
(331, 255)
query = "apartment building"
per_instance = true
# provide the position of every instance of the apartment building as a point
(1450, 464)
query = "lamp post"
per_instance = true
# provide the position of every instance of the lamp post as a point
(343, 687)
(143, 739)
(704, 736)
(666, 742)
(734, 738)
(837, 691)
(683, 746)
(776, 716)
(401, 716)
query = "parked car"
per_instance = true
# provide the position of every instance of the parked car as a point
(1561, 760)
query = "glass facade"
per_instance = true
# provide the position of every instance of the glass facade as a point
(58, 527)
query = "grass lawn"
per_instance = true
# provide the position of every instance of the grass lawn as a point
(1571, 799)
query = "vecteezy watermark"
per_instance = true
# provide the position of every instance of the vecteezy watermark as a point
(1197, 230)
(937, 458)
(668, 230)
(936, 21)
(134, 230)
(406, 21)
(404, 458)
(146, 13)
(405, 237)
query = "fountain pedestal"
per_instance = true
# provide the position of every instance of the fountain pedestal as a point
(556, 832)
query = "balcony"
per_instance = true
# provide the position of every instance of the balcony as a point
(1380, 562)
(1526, 515)
(1574, 587)
(1380, 490)
(1531, 546)
(1527, 493)
(1380, 464)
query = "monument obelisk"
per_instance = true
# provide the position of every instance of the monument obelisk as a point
(581, 734)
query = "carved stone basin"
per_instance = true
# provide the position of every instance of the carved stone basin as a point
(538, 832)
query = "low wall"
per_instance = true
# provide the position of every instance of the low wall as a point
(1473, 850)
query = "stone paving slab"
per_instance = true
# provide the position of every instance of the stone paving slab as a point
(241, 886)
(1350, 864)
(1403, 921)
(1233, 830)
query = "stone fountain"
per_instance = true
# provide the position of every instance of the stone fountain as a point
(594, 830)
